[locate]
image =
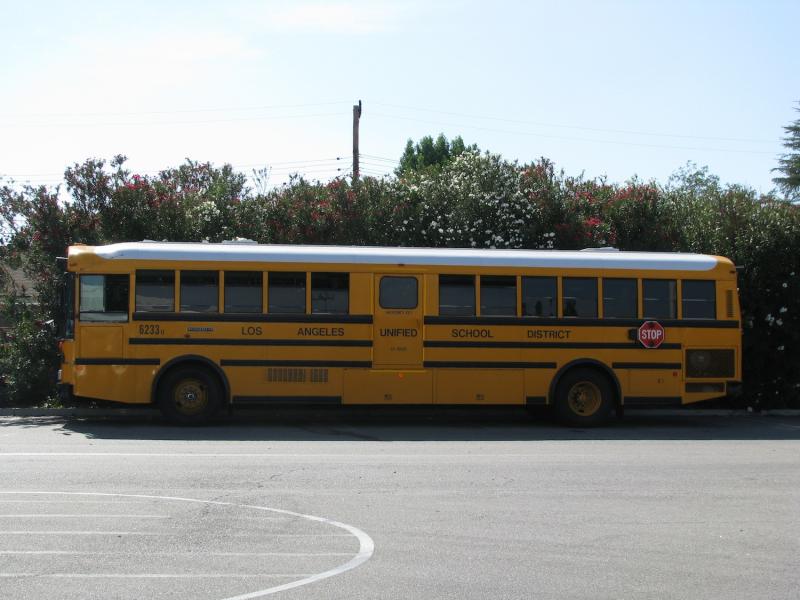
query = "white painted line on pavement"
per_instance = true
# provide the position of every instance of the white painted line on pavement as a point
(30, 532)
(156, 575)
(365, 551)
(84, 515)
(89, 553)
(103, 502)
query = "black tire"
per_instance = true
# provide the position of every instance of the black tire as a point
(584, 398)
(190, 395)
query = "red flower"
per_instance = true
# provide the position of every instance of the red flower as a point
(593, 222)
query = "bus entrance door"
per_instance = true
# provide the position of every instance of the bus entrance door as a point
(397, 339)
(397, 375)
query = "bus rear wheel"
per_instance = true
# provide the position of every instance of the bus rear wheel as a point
(584, 398)
(190, 396)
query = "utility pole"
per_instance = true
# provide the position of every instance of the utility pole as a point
(356, 118)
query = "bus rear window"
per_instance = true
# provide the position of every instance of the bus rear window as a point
(699, 299)
(580, 296)
(659, 298)
(457, 295)
(104, 298)
(155, 291)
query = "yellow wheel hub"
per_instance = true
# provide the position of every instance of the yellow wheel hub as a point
(190, 396)
(584, 398)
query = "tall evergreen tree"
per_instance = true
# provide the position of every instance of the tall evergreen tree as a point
(789, 163)
(429, 153)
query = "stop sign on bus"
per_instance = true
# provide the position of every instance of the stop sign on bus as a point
(651, 334)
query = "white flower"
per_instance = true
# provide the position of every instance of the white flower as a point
(780, 348)
(783, 309)
(784, 284)
(779, 322)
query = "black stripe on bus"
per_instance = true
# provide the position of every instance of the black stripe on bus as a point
(236, 362)
(579, 322)
(117, 361)
(536, 400)
(647, 365)
(156, 341)
(286, 400)
(449, 364)
(250, 318)
(652, 401)
(596, 345)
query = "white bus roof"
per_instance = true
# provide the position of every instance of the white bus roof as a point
(450, 257)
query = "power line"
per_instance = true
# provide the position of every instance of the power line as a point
(573, 139)
(378, 166)
(602, 130)
(180, 111)
(265, 164)
(147, 123)
(380, 158)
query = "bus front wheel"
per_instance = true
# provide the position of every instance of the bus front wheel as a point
(190, 396)
(584, 398)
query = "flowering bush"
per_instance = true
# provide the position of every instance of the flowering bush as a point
(28, 359)
(472, 199)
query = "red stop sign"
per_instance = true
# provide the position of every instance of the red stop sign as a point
(651, 334)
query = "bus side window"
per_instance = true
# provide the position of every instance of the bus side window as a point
(155, 291)
(330, 293)
(287, 293)
(580, 296)
(499, 295)
(199, 291)
(699, 299)
(243, 291)
(619, 299)
(104, 298)
(660, 298)
(539, 296)
(457, 295)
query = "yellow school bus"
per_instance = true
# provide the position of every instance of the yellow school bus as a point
(198, 327)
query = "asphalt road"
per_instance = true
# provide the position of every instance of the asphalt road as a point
(400, 505)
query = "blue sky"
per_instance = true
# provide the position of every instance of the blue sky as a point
(604, 88)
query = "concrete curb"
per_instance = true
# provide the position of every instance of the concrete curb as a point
(149, 412)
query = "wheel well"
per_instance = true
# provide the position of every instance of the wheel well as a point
(192, 361)
(586, 363)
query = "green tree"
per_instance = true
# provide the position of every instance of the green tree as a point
(429, 153)
(789, 163)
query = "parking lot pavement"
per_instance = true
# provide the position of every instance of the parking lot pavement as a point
(473, 504)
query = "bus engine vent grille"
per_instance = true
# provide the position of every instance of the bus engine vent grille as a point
(286, 375)
(319, 375)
